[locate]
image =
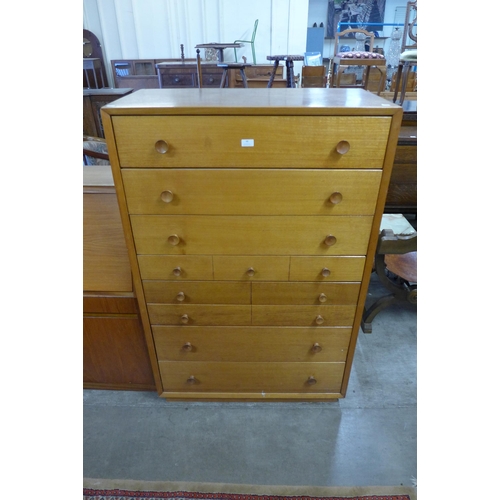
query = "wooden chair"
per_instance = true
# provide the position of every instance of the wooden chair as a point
(395, 265)
(408, 58)
(366, 59)
(251, 42)
(313, 76)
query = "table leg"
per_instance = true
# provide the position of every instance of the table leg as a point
(289, 73)
(244, 77)
(273, 74)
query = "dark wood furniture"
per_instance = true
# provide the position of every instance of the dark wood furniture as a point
(402, 194)
(251, 266)
(139, 73)
(290, 77)
(185, 74)
(94, 69)
(114, 350)
(395, 265)
(93, 101)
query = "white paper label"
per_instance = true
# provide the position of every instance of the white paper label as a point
(247, 143)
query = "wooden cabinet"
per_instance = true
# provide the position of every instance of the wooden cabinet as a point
(251, 227)
(115, 355)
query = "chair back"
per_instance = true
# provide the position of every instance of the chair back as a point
(255, 29)
(313, 76)
(340, 34)
(409, 40)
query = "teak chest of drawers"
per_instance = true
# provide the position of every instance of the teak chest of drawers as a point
(251, 218)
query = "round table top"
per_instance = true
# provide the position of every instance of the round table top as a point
(284, 57)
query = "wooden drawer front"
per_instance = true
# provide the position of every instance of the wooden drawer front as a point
(216, 141)
(190, 343)
(178, 79)
(253, 235)
(196, 292)
(175, 267)
(193, 314)
(251, 192)
(110, 304)
(250, 377)
(326, 268)
(305, 293)
(211, 78)
(298, 315)
(251, 268)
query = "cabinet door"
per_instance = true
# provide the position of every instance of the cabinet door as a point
(115, 354)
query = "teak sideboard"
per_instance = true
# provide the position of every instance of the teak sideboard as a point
(251, 218)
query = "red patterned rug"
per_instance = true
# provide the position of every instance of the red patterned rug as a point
(118, 494)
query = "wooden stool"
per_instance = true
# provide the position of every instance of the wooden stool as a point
(395, 265)
(290, 77)
(229, 66)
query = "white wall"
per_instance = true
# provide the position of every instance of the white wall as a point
(152, 29)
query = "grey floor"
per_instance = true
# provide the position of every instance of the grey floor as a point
(368, 438)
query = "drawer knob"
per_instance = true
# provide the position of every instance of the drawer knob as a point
(335, 198)
(191, 380)
(316, 347)
(187, 347)
(177, 271)
(184, 319)
(250, 271)
(181, 296)
(330, 240)
(161, 147)
(168, 196)
(325, 272)
(174, 240)
(311, 380)
(343, 147)
(319, 319)
(322, 297)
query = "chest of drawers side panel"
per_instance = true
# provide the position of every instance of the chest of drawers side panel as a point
(390, 152)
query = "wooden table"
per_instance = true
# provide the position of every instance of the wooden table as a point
(220, 47)
(289, 68)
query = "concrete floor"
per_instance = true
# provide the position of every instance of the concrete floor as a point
(366, 439)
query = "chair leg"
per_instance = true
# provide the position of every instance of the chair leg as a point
(253, 54)
(369, 314)
(235, 56)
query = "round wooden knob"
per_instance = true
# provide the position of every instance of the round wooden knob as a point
(311, 380)
(187, 347)
(174, 240)
(177, 271)
(167, 196)
(322, 297)
(161, 147)
(184, 319)
(319, 320)
(191, 379)
(335, 198)
(316, 347)
(325, 272)
(181, 296)
(250, 271)
(343, 147)
(330, 240)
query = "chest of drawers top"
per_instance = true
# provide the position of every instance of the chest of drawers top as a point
(258, 101)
